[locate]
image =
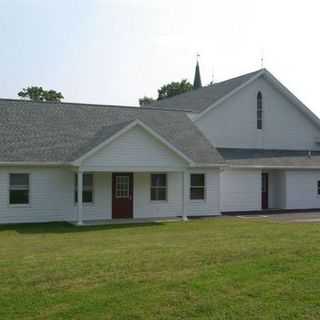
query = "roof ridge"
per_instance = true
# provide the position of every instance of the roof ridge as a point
(88, 104)
(168, 101)
(242, 75)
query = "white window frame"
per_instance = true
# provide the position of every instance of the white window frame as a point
(122, 194)
(27, 204)
(159, 187)
(204, 187)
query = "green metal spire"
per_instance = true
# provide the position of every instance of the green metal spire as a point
(197, 78)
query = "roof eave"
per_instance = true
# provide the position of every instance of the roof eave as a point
(34, 163)
(240, 166)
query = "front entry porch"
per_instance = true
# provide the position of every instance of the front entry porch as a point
(129, 196)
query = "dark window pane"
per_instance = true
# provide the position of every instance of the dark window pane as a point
(158, 194)
(196, 193)
(259, 100)
(88, 180)
(158, 180)
(19, 179)
(319, 187)
(87, 196)
(259, 110)
(19, 197)
(197, 180)
(259, 124)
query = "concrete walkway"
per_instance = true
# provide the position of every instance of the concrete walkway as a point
(124, 221)
(313, 217)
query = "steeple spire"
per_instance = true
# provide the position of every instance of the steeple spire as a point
(197, 78)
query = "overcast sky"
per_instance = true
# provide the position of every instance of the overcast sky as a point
(115, 51)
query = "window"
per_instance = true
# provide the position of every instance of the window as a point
(19, 188)
(158, 187)
(318, 187)
(259, 110)
(87, 191)
(122, 187)
(197, 186)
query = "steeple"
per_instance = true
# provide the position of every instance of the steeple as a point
(197, 78)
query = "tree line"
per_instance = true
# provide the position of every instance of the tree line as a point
(39, 94)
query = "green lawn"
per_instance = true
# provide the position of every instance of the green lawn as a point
(224, 268)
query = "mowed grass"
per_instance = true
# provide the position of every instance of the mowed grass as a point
(224, 268)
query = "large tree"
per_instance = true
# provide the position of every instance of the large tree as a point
(39, 94)
(145, 101)
(174, 88)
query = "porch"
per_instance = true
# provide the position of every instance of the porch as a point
(126, 197)
(252, 190)
(267, 191)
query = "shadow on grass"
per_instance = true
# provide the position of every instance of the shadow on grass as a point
(64, 227)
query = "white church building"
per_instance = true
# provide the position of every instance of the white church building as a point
(242, 145)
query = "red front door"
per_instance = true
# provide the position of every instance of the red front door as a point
(264, 190)
(122, 195)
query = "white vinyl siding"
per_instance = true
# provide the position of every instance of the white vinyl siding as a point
(135, 149)
(144, 208)
(100, 209)
(52, 196)
(240, 190)
(211, 204)
(233, 124)
(301, 186)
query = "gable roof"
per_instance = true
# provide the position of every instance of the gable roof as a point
(204, 99)
(200, 99)
(63, 132)
(125, 129)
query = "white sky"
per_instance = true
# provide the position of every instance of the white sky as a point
(115, 51)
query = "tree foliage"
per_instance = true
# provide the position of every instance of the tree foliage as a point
(145, 101)
(39, 94)
(174, 88)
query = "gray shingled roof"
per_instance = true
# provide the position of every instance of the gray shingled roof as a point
(200, 99)
(62, 132)
(259, 157)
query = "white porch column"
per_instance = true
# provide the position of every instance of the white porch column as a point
(80, 205)
(184, 195)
